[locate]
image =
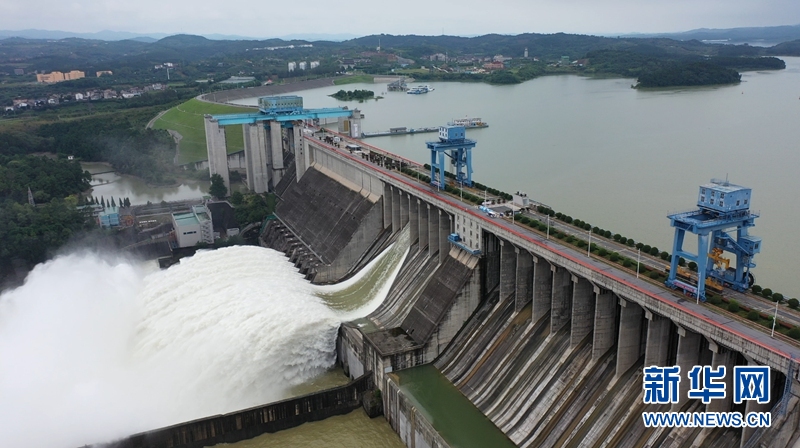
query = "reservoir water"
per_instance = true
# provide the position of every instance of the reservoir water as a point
(620, 158)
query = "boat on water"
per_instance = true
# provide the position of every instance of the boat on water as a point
(419, 90)
(468, 122)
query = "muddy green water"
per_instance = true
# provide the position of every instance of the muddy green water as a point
(460, 423)
(353, 430)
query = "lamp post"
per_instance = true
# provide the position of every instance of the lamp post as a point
(548, 227)
(774, 320)
(589, 247)
(638, 261)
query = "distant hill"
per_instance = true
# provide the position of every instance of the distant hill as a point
(754, 35)
(152, 37)
(94, 54)
(100, 35)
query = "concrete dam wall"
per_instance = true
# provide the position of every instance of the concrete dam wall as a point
(249, 423)
(548, 346)
(328, 228)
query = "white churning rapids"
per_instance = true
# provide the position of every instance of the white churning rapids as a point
(94, 348)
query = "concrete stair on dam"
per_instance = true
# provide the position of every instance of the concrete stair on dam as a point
(329, 228)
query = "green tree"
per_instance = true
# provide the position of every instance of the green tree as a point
(754, 316)
(766, 293)
(777, 297)
(217, 188)
(733, 306)
(756, 289)
(793, 303)
(237, 198)
(794, 333)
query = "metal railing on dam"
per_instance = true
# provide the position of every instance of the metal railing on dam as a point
(733, 334)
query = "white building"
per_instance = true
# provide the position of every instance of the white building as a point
(302, 65)
(193, 227)
(520, 199)
(314, 64)
(292, 66)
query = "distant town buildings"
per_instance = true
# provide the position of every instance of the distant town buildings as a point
(104, 72)
(302, 65)
(314, 64)
(19, 104)
(495, 65)
(59, 76)
(292, 66)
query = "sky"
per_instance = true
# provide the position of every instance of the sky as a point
(270, 18)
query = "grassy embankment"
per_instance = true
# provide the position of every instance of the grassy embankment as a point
(187, 120)
(354, 79)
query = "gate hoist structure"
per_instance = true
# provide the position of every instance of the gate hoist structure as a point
(721, 224)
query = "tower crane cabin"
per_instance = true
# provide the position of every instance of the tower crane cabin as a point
(721, 224)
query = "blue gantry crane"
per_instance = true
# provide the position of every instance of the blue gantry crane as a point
(454, 144)
(721, 224)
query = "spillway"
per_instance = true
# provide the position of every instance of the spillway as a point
(95, 348)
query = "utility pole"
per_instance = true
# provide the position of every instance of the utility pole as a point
(548, 227)
(638, 260)
(774, 320)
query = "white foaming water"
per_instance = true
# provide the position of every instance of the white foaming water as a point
(94, 349)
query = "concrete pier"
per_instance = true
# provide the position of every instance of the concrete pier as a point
(424, 209)
(396, 198)
(688, 357)
(561, 298)
(722, 357)
(387, 206)
(524, 287)
(542, 287)
(413, 218)
(656, 350)
(404, 209)
(217, 150)
(433, 230)
(276, 151)
(582, 310)
(255, 150)
(605, 320)
(300, 149)
(508, 270)
(630, 331)
(445, 228)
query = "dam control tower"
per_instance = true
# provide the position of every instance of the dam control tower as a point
(453, 144)
(721, 224)
(271, 133)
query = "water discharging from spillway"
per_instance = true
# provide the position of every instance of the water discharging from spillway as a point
(93, 348)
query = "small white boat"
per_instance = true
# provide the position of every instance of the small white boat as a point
(419, 90)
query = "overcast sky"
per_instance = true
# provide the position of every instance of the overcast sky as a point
(269, 18)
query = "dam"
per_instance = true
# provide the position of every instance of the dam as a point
(547, 343)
